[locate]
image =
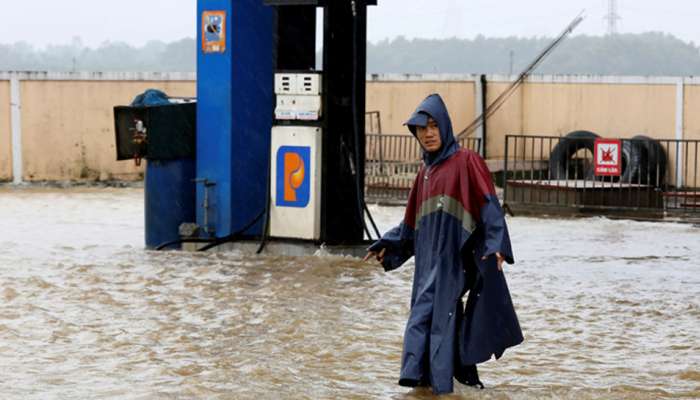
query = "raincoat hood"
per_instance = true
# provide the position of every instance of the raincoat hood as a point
(434, 107)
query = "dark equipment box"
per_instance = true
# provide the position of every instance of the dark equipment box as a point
(170, 131)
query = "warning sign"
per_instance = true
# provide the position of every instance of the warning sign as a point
(214, 31)
(608, 157)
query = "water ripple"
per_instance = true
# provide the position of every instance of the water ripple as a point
(91, 315)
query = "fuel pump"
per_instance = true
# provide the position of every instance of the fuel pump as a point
(277, 138)
(318, 138)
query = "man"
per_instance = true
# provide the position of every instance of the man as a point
(454, 225)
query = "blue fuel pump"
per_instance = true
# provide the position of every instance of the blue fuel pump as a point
(242, 44)
(271, 156)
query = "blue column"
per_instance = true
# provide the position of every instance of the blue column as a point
(234, 113)
(169, 200)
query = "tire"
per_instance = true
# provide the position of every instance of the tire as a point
(560, 157)
(652, 164)
(631, 160)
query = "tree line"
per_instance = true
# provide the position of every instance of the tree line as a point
(647, 54)
(154, 56)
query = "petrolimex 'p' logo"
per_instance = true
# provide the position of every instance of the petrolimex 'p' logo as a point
(293, 176)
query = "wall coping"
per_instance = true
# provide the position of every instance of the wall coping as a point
(97, 76)
(494, 78)
(571, 79)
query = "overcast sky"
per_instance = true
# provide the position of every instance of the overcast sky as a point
(42, 22)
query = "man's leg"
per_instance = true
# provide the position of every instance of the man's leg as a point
(467, 374)
(415, 363)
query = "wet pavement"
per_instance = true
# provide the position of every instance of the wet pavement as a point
(609, 309)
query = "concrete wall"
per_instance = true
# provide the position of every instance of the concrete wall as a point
(614, 107)
(74, 119)
(396, 100)
(555, 109)
(691, 130)
(67, 126)
(67, 123)
(508, 120)
(5, 132)
(692, 112)
(608, 110)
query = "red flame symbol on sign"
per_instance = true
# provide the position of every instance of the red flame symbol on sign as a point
(608, 155)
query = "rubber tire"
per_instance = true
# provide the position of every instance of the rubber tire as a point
(565, 149)
(631, 160)
(652, 164)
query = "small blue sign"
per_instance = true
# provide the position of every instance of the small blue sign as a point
(213, 29)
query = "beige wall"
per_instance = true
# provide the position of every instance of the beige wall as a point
(692, 131)
(555, 109)
(608, 106)
(508, 120)
(68, 127)
(5, 133)
(397, 100)
(608, 110)
(691, 112)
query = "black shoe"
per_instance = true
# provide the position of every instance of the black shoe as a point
(414, 383)
(468, 375)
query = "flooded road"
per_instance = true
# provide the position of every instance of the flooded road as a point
(609, 309)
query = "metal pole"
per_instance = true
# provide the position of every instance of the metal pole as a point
(484, 130)
(505, 173)
(479, 107)
(16, 126)
(680, 100)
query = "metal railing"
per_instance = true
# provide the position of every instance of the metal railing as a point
(392, 162)
(373, 122)
(656, 174)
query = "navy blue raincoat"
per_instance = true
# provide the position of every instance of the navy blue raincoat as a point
(453, 219)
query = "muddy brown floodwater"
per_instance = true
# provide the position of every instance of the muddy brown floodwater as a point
(610, 309)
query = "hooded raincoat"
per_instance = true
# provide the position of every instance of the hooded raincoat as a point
(453, 219)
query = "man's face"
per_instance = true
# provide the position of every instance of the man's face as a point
(429, 136)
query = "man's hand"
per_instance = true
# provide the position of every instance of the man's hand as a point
(499, 260)
(379, 256)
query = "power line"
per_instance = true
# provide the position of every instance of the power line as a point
(452, 24)
(612, 17)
